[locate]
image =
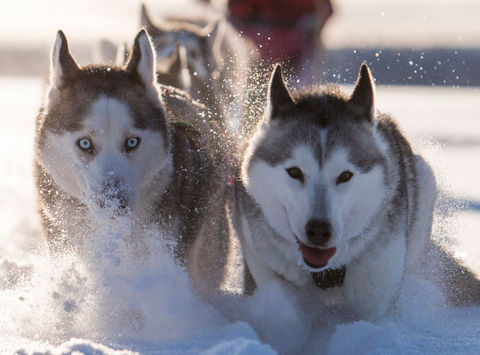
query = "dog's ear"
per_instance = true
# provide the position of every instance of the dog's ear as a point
(178, 67)
(145, 20)
(62, 64)
(280, 99)
(362, 101)
(142, 60)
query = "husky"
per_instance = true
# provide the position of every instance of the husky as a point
(217, 57)
(202, 42)
(332, 201)
(111, 141)
(202, 54)
(171, 71)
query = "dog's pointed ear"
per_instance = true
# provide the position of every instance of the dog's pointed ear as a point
(178, 67)
(142, 60)
(62, 64)
(145, 20)
(362, 101)
(280, 99)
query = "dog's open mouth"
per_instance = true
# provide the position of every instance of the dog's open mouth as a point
(315, 257)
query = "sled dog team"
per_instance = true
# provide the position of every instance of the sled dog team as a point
(326, 198)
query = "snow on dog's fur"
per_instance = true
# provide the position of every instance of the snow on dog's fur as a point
(332, 199)
(111, 142)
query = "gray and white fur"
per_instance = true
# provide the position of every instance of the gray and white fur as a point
(111, 140)
(332, 199)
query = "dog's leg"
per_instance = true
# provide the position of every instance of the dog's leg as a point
(372, 281)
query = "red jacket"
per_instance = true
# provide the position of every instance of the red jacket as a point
(281, 11)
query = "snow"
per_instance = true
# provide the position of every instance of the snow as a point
(113, 302)
(403, 23)
(419, 330)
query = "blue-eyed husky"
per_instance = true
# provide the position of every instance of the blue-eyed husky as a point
(332, 199)
(111, 141)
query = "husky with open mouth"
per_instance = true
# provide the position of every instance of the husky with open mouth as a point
(332, 198)
(111, 142)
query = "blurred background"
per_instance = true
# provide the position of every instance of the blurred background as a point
(424, 42)
(424, 55)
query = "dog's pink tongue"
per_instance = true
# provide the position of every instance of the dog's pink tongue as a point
(316, 257)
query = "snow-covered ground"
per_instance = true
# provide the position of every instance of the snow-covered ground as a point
(116, 302)
(112, 302)
(403, 23)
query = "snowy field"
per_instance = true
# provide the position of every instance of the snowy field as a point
(114, 303)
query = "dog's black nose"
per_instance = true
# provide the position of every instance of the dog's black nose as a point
(113, 194)
(318, 232)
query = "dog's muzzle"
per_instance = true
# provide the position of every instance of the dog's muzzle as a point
(113, 195)
(318, 232)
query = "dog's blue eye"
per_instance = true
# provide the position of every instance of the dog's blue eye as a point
(295, 173)
(132, 143)
(344, 177)
(85, 144)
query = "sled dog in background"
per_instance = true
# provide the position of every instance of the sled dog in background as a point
(171, 71)
(110, 141)
(332, 199)
(218, 59)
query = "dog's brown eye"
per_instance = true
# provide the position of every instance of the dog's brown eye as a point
(344, 177)
(295, 173)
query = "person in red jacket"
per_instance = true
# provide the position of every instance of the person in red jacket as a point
(286, 31)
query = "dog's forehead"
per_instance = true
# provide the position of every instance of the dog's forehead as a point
(281, 139)
(359, 141)
(291, 140)
(108, 116)
(80, 95)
